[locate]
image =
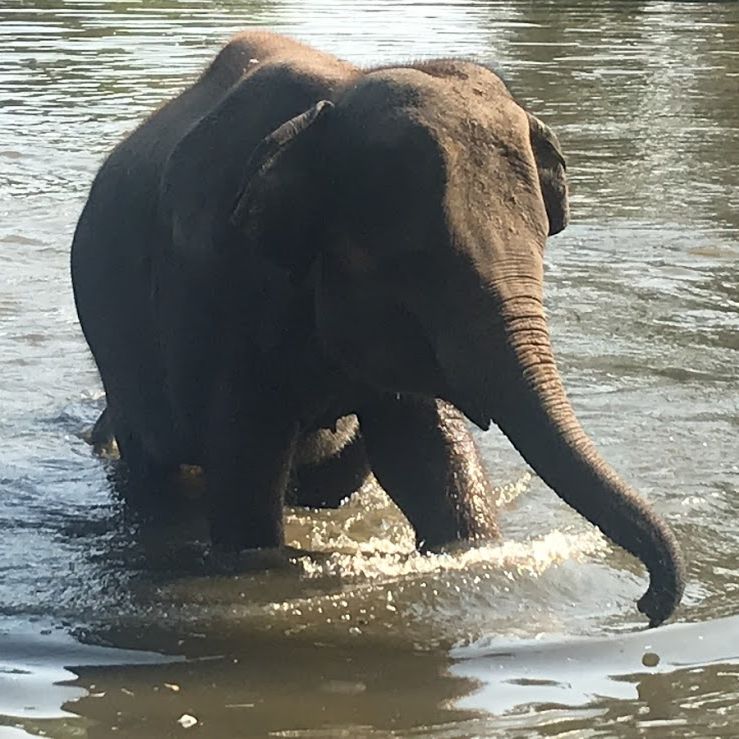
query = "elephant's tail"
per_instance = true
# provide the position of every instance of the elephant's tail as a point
(101, 435)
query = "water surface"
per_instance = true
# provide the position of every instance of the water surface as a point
(115, 625)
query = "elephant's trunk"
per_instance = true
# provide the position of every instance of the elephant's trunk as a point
(528, 402)
(535, 414)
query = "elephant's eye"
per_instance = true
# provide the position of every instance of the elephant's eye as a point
(356, 257)
(351, 255)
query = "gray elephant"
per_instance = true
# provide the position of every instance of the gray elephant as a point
(293, 241)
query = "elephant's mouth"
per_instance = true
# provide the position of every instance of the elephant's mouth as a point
(468, 365)
(407, 366)
(472, 408)
(378, 341)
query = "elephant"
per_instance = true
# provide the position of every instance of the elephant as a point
(298, 269)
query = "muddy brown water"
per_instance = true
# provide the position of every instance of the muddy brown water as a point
(114, 625)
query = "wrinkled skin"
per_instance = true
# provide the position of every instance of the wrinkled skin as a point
(293, 241)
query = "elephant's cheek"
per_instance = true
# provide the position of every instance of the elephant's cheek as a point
(470, 369)
(337, 325)
(376, 344)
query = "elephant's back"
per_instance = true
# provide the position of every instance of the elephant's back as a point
(164, 194)
(115, 244)
(119, 230)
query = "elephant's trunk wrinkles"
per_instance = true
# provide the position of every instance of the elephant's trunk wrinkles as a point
(538, 419)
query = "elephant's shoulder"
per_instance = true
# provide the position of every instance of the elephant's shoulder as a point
(204, 171)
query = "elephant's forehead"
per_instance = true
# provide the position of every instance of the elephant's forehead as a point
(477, 78)
(451, 98)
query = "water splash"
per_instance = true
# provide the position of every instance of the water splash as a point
(377, 559)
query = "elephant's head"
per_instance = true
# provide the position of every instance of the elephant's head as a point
(420, 200)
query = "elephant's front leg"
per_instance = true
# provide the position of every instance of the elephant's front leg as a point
(425, 458)
(249, 453)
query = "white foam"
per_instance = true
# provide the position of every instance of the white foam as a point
(379, 559)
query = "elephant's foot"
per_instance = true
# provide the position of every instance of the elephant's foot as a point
(234, 532)
(222, 562)
(157, 489)
(139, 477)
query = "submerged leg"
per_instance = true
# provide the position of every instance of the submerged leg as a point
(425, 458)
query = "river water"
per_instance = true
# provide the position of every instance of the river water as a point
(111, 624)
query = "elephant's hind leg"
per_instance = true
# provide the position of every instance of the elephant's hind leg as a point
(330, 465)
(425, 458)
(248, 458)
(145, 481)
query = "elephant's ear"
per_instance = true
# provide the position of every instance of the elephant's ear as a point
(551, 165)
(276, 203)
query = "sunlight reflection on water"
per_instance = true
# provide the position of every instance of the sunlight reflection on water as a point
(644, 304)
